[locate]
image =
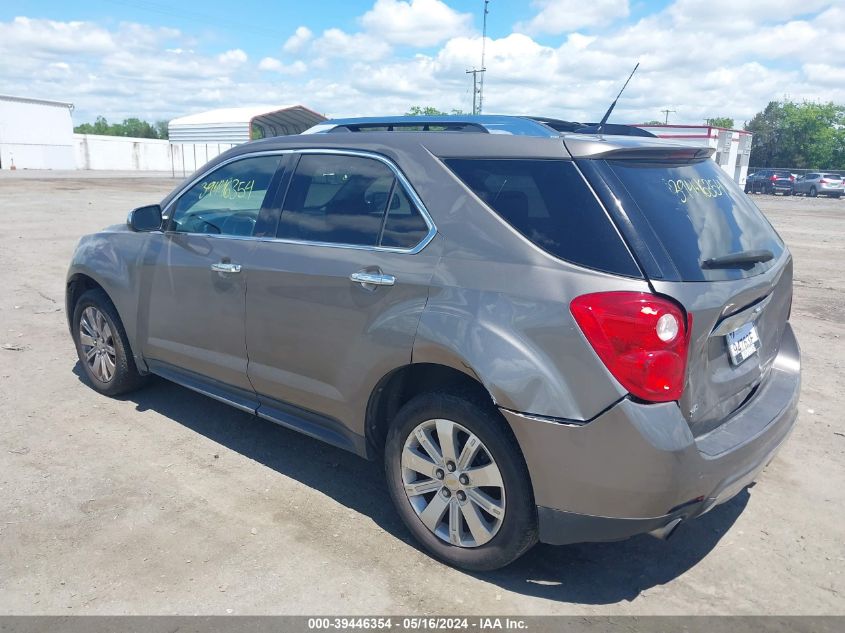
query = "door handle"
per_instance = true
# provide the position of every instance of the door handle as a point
(372, 279)
(226, 267)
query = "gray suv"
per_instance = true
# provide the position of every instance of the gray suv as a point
(819, 184)
(545, 335)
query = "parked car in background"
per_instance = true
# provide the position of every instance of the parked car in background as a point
(819, 184)
(771, 181)
(539, 337)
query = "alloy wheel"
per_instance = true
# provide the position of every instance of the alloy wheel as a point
(453, 483)
(97, 342)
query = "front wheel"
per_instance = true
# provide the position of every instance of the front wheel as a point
(102, 345)
(459, 482)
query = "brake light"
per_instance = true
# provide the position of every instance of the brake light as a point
(823, 181)
(791, 178)
(641, 338)
(774, 177)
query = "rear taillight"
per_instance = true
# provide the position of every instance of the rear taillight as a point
(641, 338)
(791, 178)
(823, 181)
(774, 177)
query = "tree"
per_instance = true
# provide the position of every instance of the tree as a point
(653, 122)
(799, 135)
(132, 126)
(429, 111)
(720, 121)
(162, 129)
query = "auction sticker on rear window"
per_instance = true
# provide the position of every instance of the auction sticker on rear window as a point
(743, 343)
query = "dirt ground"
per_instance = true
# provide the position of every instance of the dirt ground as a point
(169, 502)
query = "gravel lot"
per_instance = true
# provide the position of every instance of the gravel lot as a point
(169, 502)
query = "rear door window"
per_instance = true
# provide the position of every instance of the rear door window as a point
(549, 203)
(349, 200)
(697, 213)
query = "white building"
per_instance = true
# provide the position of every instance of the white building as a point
(197, 138)
(733, 147)
(35, 134)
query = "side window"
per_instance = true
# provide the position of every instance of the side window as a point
(336, 199)
(228, 200)
(404, 227)
(551, 205)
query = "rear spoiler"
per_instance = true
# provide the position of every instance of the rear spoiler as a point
(633, 148)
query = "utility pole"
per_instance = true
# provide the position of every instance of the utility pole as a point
(666, 119)
(478, 82)
(476, 107)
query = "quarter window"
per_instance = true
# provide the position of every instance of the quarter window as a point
(341, 199)
(228, 200)
(404, 227)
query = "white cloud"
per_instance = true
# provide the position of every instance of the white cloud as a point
(419, 23)
(298, 40)
(356, 46)
(272, 64)
(561, 16)
(233, 57)
(52, 37)
(729, 67)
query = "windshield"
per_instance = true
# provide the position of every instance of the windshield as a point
(697, 214)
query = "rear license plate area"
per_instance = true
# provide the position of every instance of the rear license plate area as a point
(742, 343)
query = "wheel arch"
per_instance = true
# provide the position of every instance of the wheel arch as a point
(80, 281)
(78, 284)
(404, 383)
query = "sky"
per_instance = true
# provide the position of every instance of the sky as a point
(560, 58)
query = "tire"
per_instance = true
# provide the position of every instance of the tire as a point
(510, 535)
(813, 193)
(121, 374)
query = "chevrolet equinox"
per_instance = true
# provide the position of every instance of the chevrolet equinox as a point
(547, 334)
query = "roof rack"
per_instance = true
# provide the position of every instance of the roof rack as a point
(479, 124)
(544, 127)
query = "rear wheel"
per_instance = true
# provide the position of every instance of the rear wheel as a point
(459, 482)
(102, 346)
(813, 192)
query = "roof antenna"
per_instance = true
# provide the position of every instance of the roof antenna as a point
(613, 105)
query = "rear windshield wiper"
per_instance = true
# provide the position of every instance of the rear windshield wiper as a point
(737, 260)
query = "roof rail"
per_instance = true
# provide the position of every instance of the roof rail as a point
(544, 127)
(480, 124)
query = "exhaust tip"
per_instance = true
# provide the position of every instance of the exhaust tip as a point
(663, 533)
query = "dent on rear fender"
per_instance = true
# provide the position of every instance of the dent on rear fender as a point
(525, 352)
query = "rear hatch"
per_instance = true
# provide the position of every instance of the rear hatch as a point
(703, 243)
(782, 179)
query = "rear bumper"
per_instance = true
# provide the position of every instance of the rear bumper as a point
(637, 467)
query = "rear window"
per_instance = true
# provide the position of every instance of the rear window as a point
(833, 176)
(549, 203)
(697, 213)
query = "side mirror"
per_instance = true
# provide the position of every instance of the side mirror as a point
(145, 218)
